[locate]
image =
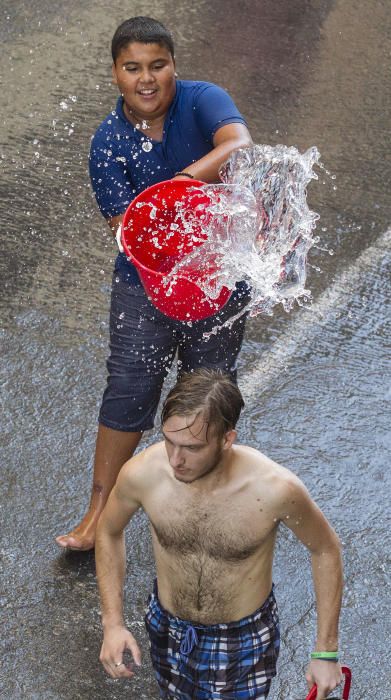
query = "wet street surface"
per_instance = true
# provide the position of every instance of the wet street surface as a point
(315, 381)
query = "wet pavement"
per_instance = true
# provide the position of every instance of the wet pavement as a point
(316, 381)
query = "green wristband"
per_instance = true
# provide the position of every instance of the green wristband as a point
(325, 655)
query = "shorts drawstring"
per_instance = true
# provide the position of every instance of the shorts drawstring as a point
(193, 660)
(189, 641)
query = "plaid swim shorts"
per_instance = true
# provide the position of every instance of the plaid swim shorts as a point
(231, 661)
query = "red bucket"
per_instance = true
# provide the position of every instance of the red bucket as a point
(161, 226)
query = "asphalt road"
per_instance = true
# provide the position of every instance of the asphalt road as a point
(316, 381)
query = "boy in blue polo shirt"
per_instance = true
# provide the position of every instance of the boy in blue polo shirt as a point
(161, 128)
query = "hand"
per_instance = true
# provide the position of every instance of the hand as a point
(326, 674)
(115, 641)
(118, 238)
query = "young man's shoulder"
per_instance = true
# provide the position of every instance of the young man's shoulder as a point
(266, 472)
(144, 467)
(141, 474)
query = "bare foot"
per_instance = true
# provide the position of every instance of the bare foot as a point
(82, 537)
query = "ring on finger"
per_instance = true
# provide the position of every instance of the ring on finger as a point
(119, 663)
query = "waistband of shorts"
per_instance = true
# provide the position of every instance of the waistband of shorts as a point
(268, 606)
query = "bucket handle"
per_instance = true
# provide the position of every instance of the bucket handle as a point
(346, 689)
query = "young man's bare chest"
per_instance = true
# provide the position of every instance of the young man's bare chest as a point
(223, 526)
(208, 548)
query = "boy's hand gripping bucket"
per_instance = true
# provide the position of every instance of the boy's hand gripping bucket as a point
(346, 689)
(161, 226)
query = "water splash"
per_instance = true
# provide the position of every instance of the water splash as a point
(257, 227)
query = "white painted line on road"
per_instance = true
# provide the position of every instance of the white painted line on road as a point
(310, 321)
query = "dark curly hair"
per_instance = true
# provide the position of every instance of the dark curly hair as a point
(146, 30)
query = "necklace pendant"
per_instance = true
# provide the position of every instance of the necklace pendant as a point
(144, 125)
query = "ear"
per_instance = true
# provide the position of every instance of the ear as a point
(229, 439)
(114, 74)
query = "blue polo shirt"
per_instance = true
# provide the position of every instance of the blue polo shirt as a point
(124, 161)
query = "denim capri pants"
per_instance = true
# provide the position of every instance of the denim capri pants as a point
(143, 343)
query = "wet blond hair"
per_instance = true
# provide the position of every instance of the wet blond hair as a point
(210, 393)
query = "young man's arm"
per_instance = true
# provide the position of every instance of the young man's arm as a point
(303, 517)
(110, 557)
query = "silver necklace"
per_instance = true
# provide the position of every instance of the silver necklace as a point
(144, 125)
(146, 144)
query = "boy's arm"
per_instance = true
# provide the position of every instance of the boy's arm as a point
(110, 556)
(301, 515)
(114, 222)
(226, 139)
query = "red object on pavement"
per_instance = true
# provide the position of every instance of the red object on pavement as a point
(346, 689)
(162, 225)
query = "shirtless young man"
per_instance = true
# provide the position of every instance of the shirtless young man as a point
(214, 509)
